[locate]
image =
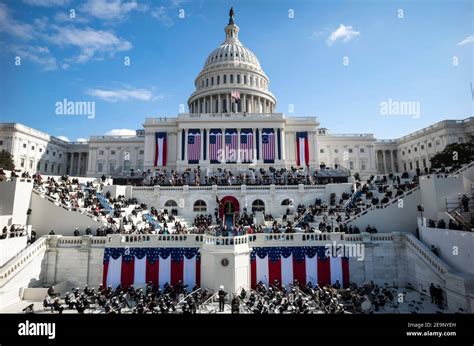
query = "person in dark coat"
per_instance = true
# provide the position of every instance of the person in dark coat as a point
(221, 295)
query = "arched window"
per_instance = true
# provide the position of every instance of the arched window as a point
(286, 202)
(238, 78)
(258, 205)
(231, 78)
(171, 203)
(200, 206)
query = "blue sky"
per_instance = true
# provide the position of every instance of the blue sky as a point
(82, 59)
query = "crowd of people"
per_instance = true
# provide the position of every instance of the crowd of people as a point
(252, 176)
(151, 299)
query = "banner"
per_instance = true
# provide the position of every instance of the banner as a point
(160, 149)
(302, 149)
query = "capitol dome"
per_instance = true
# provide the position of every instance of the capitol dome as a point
(232, 80)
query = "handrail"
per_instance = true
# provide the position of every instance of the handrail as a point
(381, 206)
(424, 252)
(190, 294)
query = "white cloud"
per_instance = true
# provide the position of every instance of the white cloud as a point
(120, 132)
(124, 94)
(467, 40)
(64, 138)
(13, 27)
(46, 3)
(80, 139)
(37, 54)
(343, 33)
(109, 9)
(161, 14)
(91, 43)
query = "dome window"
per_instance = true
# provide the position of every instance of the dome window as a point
(238, 78)
(231, 78)
(245, 79)
(218, 80)
(225, 79)
(221, 55)
(212, 80)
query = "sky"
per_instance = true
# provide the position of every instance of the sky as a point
(342, 61)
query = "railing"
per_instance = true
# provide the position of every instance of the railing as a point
(68, 208)
(350, 202)
(14, 265)
(428, 256)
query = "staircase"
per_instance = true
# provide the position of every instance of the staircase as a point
(104, 203)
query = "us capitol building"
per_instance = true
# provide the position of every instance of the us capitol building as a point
(232, 123)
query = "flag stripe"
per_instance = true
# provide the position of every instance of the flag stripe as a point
(165, 271)
(152, 272)
(287, 270)
(324, 271)
(274, 271)
(345, 272)
(139, 271)
(127, 273)
(176, 272)
(299, 270)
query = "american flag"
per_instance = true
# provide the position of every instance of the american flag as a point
(268, 145)
(194, 146)
(215, 146)
(231, 145)
(246, 145)
(235, 95)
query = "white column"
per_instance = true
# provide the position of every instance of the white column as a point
(227, 105)
(393, 162)
(219, 107)
(178, 157)
(252, 109)
(383, 161)
(283, 144)
(186, 145)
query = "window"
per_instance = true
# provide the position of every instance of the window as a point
(424, 163)
(24, 145)
(101, 152)
(362, 150)
(32, 147)
(417, 164)
(47, 152)
(171, 203)
(231, 78)
(258, 205)
(41, 150)
(363, 165)
(45, 167)
(415, 149)
(112, 152)
(22, 163)
(460, 139)
(437, 142)
(212, 80)
(245, 79)
(286, 202)
(38, 166)
(238, 78)
(351, 165)
(52, 168)
(59, 169)
(207, 82)
(1, 142)
(60, 155)
(141, 152)
(422, 147)
(411, 165)
(430, 145)
(336, 151)
(225, 79)
(31, 164)
(218, 80)
(99, 167)
(111, 167)
(405, 167)
(54, 153)
(321, 151)
(409, 151)
(200, 206)
(350, 151)
(403, 152)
